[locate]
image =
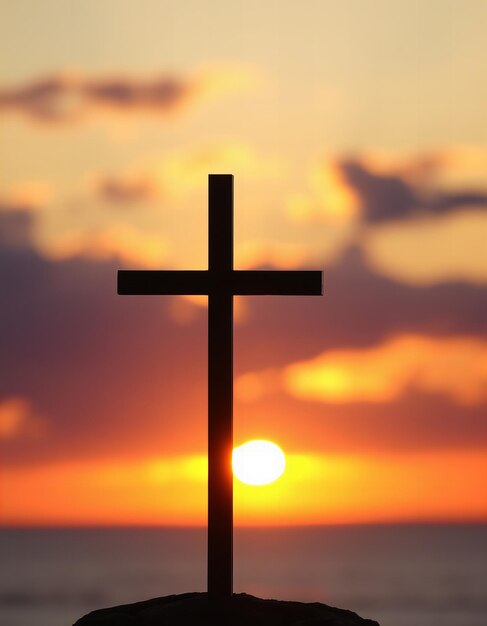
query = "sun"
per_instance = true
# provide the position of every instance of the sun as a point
(258, 462)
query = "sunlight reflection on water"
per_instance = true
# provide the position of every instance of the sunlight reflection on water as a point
(409, 574)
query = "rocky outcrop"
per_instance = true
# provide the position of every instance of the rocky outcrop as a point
(196, 609)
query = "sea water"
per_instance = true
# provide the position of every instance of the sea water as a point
(400, 575)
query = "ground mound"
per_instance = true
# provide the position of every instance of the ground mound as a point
(196, 609)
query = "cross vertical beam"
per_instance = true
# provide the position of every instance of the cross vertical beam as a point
(220, 387)
(221, 283)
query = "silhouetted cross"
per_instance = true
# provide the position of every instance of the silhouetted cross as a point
(220, 282)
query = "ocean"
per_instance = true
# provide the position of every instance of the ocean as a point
(400, 575)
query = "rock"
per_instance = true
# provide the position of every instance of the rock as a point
(195, 609)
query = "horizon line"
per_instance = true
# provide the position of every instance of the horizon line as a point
(203, 527)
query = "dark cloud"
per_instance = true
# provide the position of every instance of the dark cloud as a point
(160, 94)
(105, 372)
(417, 422)
(382, 197)
(15, 226)
(388, 197)
(445, 202)
(41, 99)
(68, 98)
(117, 377)
(359, 309)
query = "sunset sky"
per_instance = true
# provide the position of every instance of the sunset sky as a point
(356, 133)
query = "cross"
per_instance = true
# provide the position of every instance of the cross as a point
(220, 282)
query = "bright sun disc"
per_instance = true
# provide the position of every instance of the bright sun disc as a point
(258, 462)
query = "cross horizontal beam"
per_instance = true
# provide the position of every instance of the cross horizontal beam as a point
(234, 282)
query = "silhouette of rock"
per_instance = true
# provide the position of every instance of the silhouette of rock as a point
(195, 609)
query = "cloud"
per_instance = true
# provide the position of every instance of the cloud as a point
(117, 377)
(375, 191)
(419, 219)
(389, 197)
(330, 198)
(360, 308)
(70, 97)
(417, 421)
(28, 196)
(120, 242)
(172, 176)
(87, 359)
(124, 190)
(454, 367)
(130, 245)
(381, 197)
(67, 98)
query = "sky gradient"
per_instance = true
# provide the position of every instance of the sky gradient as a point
(356, 134)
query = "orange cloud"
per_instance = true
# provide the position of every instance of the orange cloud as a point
(171, 177)
(453, 367)
(330, 199)
(28, 196)
(130, 246)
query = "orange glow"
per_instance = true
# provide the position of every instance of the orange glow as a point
(442, 486)
(266, 253)
(331, 197)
